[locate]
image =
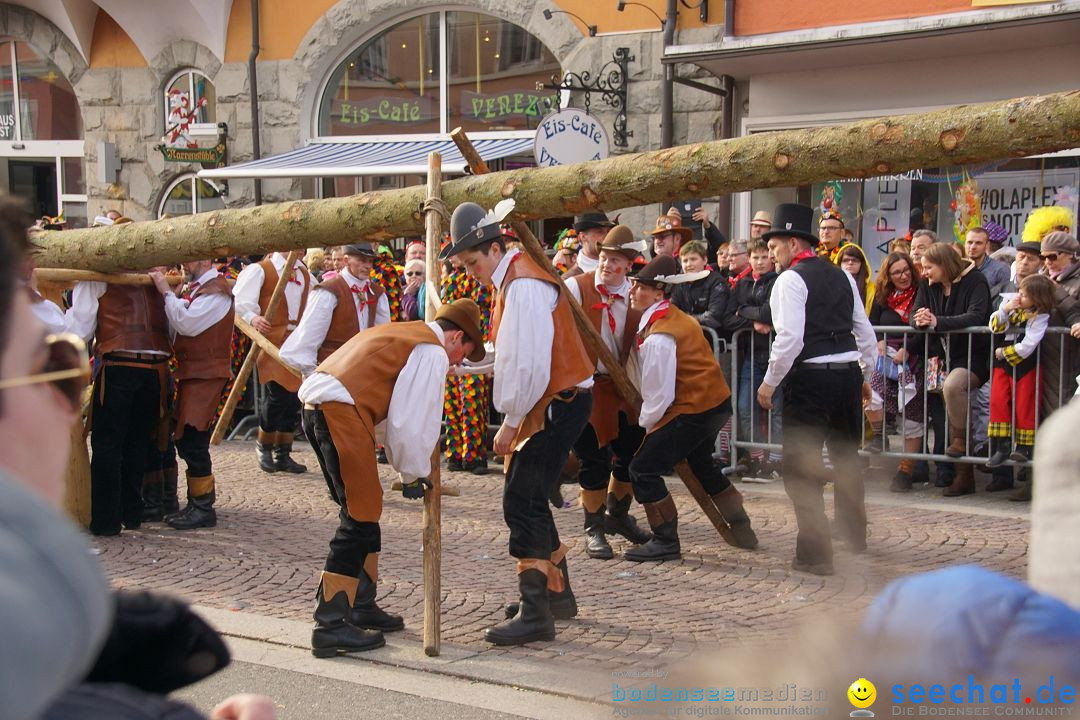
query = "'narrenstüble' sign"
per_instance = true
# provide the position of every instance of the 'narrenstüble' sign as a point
(569, 136)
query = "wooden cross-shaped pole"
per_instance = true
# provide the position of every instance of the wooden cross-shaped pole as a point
(432, 522)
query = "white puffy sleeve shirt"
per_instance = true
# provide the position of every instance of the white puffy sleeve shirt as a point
(414, 417)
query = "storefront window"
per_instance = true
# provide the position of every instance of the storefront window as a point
(392, 84)
(188, 195)
(389, 85)
(494, 69)
(48, 109)
(7, 93)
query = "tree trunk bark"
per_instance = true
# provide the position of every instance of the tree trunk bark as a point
(952, 136)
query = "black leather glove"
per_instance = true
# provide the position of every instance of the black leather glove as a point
(415, 489)
(158, 644)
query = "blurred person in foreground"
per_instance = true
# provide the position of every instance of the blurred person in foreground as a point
(69, 649)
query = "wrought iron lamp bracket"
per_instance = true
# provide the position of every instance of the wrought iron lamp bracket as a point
(610, 83)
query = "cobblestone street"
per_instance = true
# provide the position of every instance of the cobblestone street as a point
(266, 553)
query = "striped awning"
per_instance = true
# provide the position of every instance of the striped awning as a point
(377, 156)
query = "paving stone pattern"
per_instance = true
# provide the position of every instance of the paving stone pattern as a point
(265, 555)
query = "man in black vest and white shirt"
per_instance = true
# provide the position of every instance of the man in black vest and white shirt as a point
(824, 353)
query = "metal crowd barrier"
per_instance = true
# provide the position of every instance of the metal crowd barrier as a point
(1057, 339)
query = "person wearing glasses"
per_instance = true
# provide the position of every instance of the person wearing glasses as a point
(280, 407)
(201, 321)
(339, 308)
(414, 297)
(831, 231)
(132, 351)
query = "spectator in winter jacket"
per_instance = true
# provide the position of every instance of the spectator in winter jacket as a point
(953, 296)
(706, 300)
(738, 262)
(750, 310)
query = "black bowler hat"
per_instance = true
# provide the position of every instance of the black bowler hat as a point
(471, 225)
(361, 250)
(793, 220)
(590, 220)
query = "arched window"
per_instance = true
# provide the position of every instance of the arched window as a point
(190, 107)
(438, 71)
(187, 195)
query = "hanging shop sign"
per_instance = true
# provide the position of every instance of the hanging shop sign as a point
(7, 126)
(570, 136)
(210, 157)
(492, 107)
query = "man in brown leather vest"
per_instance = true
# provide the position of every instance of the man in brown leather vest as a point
(132, 350)
(394, 375)
(201, 320)
(543, 383)
(609, 441)
(685, 400)
(280, 408)
(340, 307)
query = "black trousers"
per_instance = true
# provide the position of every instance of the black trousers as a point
(689, 437)
(124, 422)
(353, 540)
(598, 463)
(534, 472)
(193, 446)
(823, 409)
(279, 409)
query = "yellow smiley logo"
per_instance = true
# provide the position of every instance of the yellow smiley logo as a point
(862, 693)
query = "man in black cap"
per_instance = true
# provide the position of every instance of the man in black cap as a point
(824, 358)
(543, 386)
(339, 308)
(591, 228)
(685, 400)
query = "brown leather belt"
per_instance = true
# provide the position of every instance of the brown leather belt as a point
(123, 355)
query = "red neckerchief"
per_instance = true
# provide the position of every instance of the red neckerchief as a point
(740, 276)
(366, 290)
(661, 310)
(804, 255)
(605, 304)
(901, 301)
(189, 291)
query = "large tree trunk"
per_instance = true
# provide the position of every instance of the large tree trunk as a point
(953, 136)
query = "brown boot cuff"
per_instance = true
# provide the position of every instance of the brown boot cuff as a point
(332, 584)
(660, 512)
(199, 486)
(371, 567)
(559, 554)
(593, 500)
(555, 582)
(619, 488)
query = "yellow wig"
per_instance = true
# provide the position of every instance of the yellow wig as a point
(1043, 220)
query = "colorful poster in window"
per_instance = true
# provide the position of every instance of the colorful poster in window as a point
(1007, 197)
